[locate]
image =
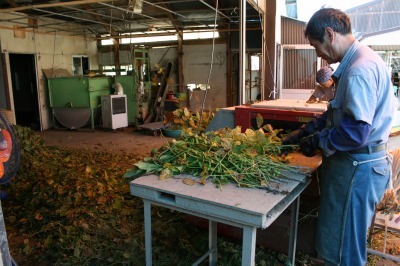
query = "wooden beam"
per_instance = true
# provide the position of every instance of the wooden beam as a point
(46, 33)
(180, 62)
(70, 3)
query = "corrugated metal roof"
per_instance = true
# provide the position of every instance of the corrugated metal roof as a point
(356, 8)
(374, 16)
(386, 40)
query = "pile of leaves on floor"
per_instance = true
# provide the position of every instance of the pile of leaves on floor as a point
(72, 207)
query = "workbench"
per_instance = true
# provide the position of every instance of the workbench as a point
(246, 208)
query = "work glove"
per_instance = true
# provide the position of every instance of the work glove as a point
(309, 128)
(308, 145)
(292, 139)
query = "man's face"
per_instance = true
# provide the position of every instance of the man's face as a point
(327, 84)
(324, 49)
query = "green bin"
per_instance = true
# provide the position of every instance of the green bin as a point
(72, 96)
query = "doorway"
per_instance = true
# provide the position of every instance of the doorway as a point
(24, 87)
(252, 77)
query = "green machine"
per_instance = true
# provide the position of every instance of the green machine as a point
(76, 100)
(137, 86)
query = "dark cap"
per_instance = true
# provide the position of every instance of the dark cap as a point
(324, 74)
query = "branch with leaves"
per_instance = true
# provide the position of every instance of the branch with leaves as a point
(249, 159)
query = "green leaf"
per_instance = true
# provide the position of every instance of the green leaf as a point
(153, 151)
(259, 149)
(260, 135)
(259, 120)
(147, 159)
(166, 158)
(149, 167)
(134, 172)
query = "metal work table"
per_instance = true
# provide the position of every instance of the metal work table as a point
(246, 208)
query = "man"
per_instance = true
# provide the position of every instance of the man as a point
(326, 88)
(352, 136)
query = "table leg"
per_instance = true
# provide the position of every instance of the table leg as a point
(212, 242)
(293, 231)
(249, 245)
(147, 232)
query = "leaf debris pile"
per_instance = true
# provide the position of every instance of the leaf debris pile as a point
(249, 159)
(185, 119)
(72, 207)
(69, 207)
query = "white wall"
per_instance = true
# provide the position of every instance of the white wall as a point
(196, 68)
(51, 50)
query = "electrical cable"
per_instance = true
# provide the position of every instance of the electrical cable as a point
(211, 64)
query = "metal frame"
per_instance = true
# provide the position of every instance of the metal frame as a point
(246, 208)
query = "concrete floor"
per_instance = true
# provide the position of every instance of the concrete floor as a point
(129, 140)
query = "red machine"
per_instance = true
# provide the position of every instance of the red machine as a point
(281, 113)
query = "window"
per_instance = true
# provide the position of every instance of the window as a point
(169, 36)
(111, 71)
(80, 65)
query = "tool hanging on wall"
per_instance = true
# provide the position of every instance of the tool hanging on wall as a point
(157, 111)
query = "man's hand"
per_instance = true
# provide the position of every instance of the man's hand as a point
(309, 144)
(312, 99)
(294, 137)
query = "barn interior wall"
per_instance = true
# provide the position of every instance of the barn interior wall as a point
(51, 49)
(196, 68)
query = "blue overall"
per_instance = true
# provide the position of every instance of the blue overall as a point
(352, 184)
(349, 193)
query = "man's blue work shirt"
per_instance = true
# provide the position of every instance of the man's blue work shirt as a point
(363, 106)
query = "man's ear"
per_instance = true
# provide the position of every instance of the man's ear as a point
(329, 34)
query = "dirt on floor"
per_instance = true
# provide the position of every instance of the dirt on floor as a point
(129, 140)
